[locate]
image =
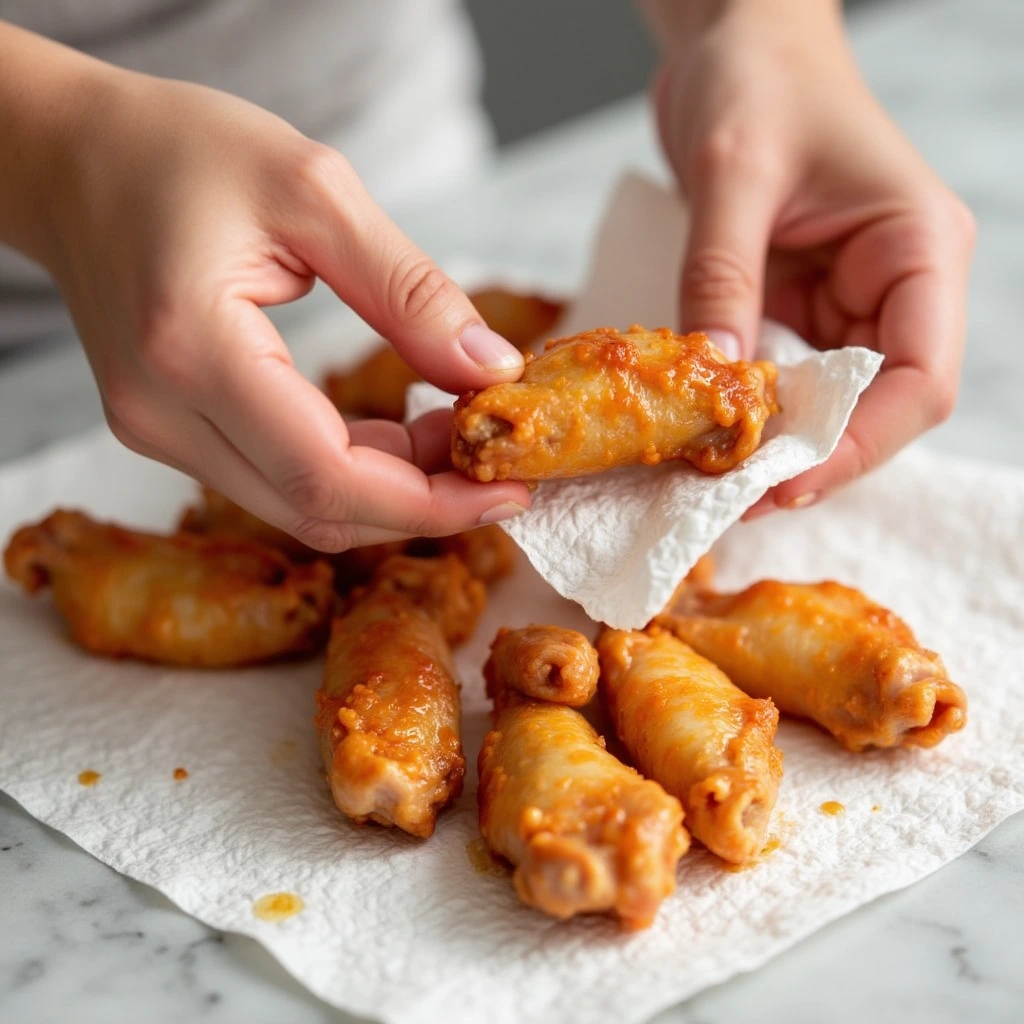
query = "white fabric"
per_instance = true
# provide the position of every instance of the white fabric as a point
(393, 84)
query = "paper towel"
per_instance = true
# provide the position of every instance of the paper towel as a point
(619, 543)
(413, 932)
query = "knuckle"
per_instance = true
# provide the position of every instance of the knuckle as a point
(715, 275)
(733, 149)
(866, 452)
(419, 290)
(161, 347)
(942, 400)
(308, 491)
(321, 171)
(963, 220)
(125, 412)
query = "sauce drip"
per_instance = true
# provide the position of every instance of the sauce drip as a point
(832, 808)
(180, 774)
(277, 906)
(89, 777)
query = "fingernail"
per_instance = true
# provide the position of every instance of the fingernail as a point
(506, 510)
(489, 350)
(727, 343)
(803, 500)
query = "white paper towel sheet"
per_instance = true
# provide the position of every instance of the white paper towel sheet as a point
(619, 543)
(413, 932)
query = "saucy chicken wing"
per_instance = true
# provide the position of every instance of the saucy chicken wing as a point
(686, 725)
(542, 663)
(825, 652)
(376, 387)
(489, 552)
(603, 399)
(388, 709)
(585, 832)
(180, 600)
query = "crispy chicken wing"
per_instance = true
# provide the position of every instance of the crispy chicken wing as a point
(388, 709)
(376, 387)
(542, 663)
(489, 552)
(603, 399)
(825, 652)
(686, 725)
(181, 600)
(585, 832)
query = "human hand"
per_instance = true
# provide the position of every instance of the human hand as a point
(181, 212)
(808, 206)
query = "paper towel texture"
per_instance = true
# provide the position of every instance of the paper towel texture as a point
(619, 543)
(412, 932)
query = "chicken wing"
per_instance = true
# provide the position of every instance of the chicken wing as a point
(180, 600)
(489, 552)
(585, 832)
(388, 709)
(376, 387)
(543, 663)
(825, 652)
(603, 399)
(686, 725)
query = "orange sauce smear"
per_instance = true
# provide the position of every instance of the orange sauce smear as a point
(277, 906)
(180, 774)
(772, 843)
(89, 778)
(832, 808)
(484, 862)
(875, 808)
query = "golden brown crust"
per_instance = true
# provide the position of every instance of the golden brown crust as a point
(825, 652)
(388, 709)
(605, 398)
(376, 387)
(542, 663)
(180, 600)
(686, 725)
(585, 833)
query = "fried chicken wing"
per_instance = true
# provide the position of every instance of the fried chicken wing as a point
(543, 663)
(585, 832)
(376, 387)
(603, 399)
(686, 725)
(180, 600)
(489, 552)
(826, 652)
(388, 709)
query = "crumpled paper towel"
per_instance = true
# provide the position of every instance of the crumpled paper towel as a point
(619, 543)
(413, 932)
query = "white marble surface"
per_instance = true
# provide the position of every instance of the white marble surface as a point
(78, 941)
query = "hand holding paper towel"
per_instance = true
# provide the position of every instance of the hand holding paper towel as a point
(619, 543)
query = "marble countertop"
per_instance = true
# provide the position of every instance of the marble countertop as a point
(78, 940)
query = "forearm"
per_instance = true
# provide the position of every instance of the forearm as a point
(677, 23)
(45, 89)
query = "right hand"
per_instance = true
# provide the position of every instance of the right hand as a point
(181, 211)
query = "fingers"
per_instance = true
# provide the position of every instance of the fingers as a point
(732, 211)
(293, 436)
(349, 241)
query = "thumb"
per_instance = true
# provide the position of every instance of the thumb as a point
(722, 285)
(349, 242)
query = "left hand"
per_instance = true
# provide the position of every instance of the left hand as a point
(809, 206)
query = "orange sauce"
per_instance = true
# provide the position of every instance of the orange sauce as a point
(832, 808)
(875, 808)
(484, 862)
(277, 906)
(89, 778)
(180, 774)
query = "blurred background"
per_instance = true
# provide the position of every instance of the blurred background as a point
(578, 55)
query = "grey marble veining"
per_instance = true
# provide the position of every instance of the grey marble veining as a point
(78, 941)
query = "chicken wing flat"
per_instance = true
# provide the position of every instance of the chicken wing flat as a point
(376, 387)
(686, 725)
(489, 553)
(180, 600)
(585, 832)
(543, 663)
(603, 399)
(825, 652)
(388, 709)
